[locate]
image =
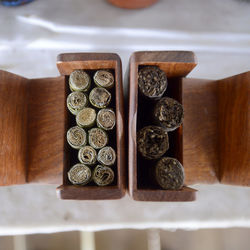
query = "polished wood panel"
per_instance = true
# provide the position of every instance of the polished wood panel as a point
(46, 129)
(234, 129)
(13, 125)
(176, 65)
(200, 131)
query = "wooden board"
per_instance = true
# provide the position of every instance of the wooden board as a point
(46, 129)
(94, 61)
(13, 129)
(234, 129)
(200, 131)
(176, 65)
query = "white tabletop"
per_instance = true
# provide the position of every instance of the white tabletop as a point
(30, 38)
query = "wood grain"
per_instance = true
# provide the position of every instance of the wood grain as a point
(234, 129)
(132, 4)
(13, 124)
(176, 65)
(200, 131)
(46, 129)
(185, 194)
(94, 61)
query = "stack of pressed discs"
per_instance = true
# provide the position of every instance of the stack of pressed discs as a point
(166, 115)
(94, 122)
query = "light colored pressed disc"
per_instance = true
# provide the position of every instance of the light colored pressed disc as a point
(76, 137)
(98, 138)
(87, 155)
(107, 156)
(79, 80)
(86, 117)
(104, 78)
(99, 97)
(79, 174)
(106, 119)
(103, 175)
(76, 101)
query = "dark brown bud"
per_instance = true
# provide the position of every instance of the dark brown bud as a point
(152, 142)
(152, 81)
(169, 173)
(169, 113)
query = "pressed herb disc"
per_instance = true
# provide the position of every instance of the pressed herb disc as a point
(152, 81)
(169, 113)
(169, 173)
(152, 142)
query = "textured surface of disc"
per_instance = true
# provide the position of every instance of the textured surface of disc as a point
(87, 155)
(76, 137)
(106, 119)
(152, 142)
(98, 138)
(86, 117)
(152, 81)
(169, 173)
(104, 78)
(79, 174)
(99, 97)
(103, 175)
(169, 113)
(76, 101)
(106, 156)
(79, 80)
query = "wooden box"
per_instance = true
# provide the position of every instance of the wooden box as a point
(176, 65)
(91, 62)
(33, 142)
(213, 143)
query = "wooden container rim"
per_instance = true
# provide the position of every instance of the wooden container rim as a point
(67, 62)
(165, 62)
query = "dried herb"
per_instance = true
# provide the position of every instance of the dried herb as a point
(169, 173)
(99, 97)
(98, 138)
(79, 80)
(152, 81)
(104, 78)
(152, 142)
(76, 137)
(76, 101)
(106, 156)
(87, 155)
(79, 174)
(86, 118)
(103, 175)
(106, 119)
(169, 113)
